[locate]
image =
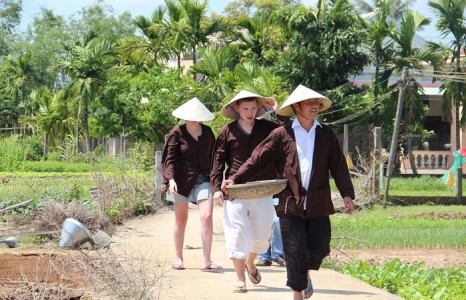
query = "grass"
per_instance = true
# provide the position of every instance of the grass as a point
(401, 227)
(420, 186)
(66, 187)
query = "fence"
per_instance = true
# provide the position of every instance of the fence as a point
(416, 155)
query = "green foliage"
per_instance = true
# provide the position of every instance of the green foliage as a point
(66, 167)
(323, 45)
(422, 186)
(142, 156)
(33, 148)
(120, 110)
(401, 227)
(411, 281)
(10, 17)
(11, 154)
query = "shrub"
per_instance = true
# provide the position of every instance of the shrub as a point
(33, 148)
(11, 154)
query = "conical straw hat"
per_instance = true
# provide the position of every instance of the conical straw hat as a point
(300, 94)
(230, 112)
(193, 110)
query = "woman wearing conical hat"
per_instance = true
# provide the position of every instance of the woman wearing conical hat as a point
(247, 223)
(307, 153)
(186, 161)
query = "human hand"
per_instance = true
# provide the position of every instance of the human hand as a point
(272, 102)
(173, 187)
(218, 198)
(225, 183)
(349, 205)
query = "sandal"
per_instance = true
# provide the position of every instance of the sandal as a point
(178, 267)
(309, 289)
(212, 267)
(256, 277)
(240, 287)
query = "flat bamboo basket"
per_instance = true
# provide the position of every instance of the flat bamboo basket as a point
(257, 189)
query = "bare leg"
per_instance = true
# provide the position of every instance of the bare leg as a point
(297, 295)
(239, 265)
(181, 218)
(205, 212)
(250, 261)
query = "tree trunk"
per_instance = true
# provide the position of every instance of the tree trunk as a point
(46, 145)
(411, 156)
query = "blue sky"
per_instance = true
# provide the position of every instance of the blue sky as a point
(67, 8)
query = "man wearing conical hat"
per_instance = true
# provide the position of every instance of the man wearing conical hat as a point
(247, 223)
(186, 161)
(307, 153)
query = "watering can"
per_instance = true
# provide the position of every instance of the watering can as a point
(9, 241)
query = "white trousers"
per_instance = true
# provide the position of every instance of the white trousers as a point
(247, 226)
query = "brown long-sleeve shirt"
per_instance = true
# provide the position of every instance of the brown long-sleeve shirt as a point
(279, 149)
(234, 146)
(184, 158)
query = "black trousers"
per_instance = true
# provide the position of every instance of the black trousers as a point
(306, 242)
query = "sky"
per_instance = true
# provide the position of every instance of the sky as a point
(67, 8)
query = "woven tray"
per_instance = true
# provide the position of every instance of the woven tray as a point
(257, 189)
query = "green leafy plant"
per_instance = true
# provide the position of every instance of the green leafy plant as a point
(411, 281)
(11, 154)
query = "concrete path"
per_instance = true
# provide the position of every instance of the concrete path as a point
(152, 236)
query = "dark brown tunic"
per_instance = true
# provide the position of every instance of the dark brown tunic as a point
(234, 146)
(279, 149)
(184, 158)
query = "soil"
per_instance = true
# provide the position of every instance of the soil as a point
(36, 269)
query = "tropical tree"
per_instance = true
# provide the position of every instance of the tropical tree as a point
(379, 45)
(324, 45)
(18, 78)
(152, 47)
(176, 26)
(397, 8)
(215, 69)
(257, 34)
(10, 17)
(200, 28)
(87, 63)
(451, 20)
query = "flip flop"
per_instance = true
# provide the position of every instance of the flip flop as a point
(256, 277)
(212, 268)
(178, 267)
(309, 289)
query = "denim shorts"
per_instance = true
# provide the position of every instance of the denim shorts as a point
(199, 192)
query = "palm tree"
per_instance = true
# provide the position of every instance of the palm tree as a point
(215, 68)
(405, 55)
(380, 47)
(199, 28)
(177, 29)
(87, 64)
(19, 78)
(451, 14)
(397, 8)
(153, 46)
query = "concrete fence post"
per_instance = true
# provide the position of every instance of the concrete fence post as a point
(158, 176)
